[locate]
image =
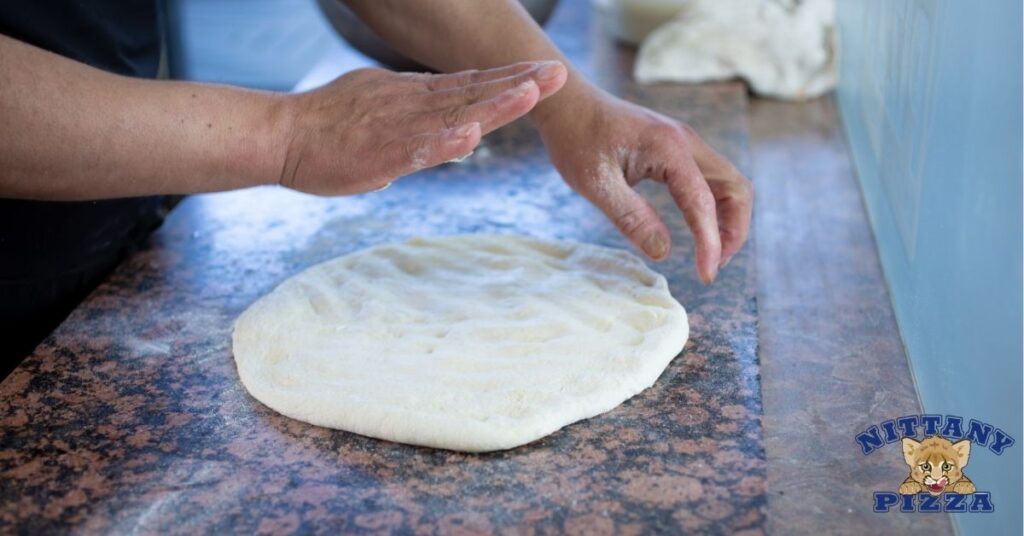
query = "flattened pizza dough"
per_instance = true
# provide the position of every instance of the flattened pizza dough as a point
(471, 343)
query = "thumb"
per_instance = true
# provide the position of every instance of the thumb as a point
(630, 212)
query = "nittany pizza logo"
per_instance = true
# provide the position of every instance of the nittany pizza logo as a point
(936, 462)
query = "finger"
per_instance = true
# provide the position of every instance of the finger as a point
(549, 78)
(491, 113)
(630, 212)
(735, 200)
(444, 82)
(408, 155)
(693, 196)
(733, 193)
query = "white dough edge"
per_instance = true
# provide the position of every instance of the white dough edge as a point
(459, 434)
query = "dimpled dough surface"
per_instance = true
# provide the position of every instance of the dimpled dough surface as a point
(471, 343)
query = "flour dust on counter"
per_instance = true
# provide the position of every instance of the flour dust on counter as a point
(472, 343)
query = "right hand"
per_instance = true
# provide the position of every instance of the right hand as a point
(370, 126)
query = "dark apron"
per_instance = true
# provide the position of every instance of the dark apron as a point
(53, 254)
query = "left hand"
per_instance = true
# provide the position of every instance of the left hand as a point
(603, 146)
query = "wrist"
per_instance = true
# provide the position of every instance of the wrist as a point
(275, 132)
(576, 96)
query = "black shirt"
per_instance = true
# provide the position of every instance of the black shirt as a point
(53, 253)
(120, 36)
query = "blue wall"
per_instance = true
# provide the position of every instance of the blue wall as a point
(267, 44)
(931, 101)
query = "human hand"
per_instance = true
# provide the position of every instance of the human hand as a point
(603, 146)
(368, 127)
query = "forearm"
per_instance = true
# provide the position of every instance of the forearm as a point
(72, 132)
(601, 145)
(453, 35)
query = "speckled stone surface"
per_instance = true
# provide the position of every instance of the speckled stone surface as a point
(130, 417)
(831, 356)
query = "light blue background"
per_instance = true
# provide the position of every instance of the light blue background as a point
(931, 100)
(266, 44)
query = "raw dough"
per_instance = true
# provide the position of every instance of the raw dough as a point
(471, 343)
(782, 48)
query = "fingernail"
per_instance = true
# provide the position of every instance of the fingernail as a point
(725, 262)
(714, 274)
(655, 245)
(466, 130)
(549, 70)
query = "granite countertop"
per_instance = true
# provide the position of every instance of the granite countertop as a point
(130, 417)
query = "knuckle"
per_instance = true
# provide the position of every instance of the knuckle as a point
(432, 82)
(412, 151)
(746, 188)
(473, 92)
(740, 191)
(440, 82)
(703, 202)
(665, 130)
(631, 222)
(453, 116)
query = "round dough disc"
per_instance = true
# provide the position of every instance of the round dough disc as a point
(471, 343)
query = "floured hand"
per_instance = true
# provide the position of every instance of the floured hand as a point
(603, 146)
(371, 126)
